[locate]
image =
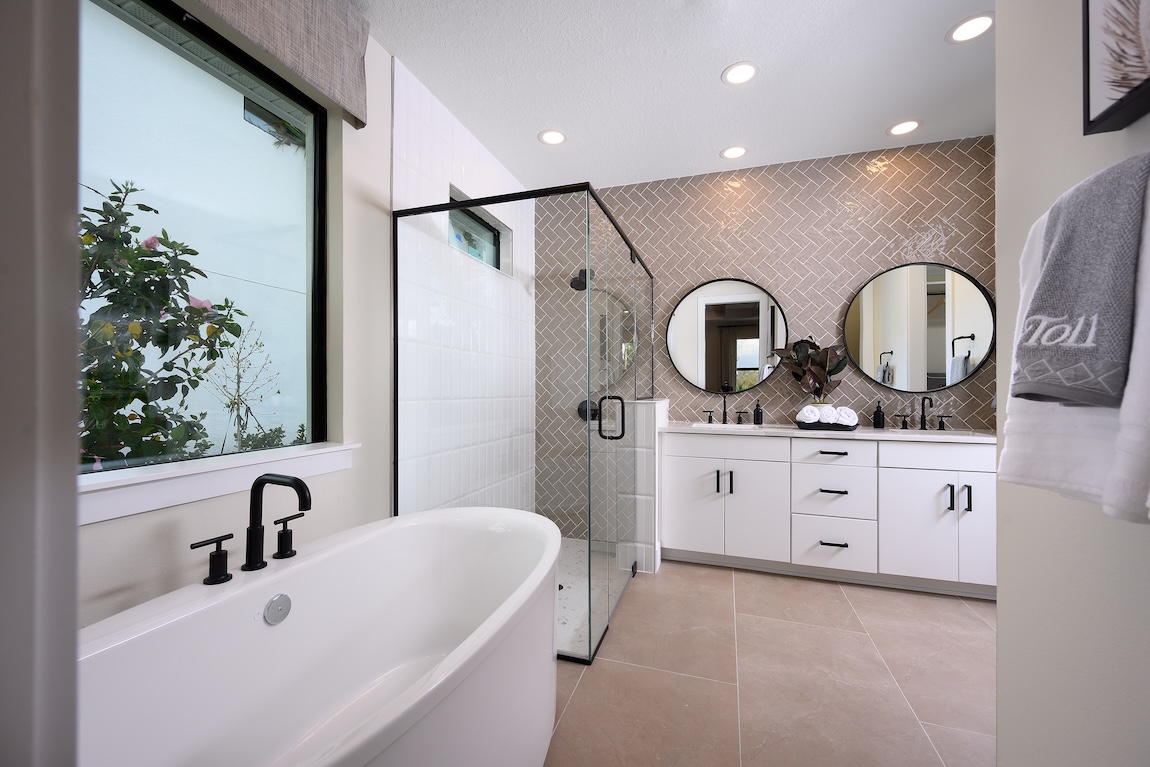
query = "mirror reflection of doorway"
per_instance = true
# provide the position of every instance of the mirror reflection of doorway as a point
(732, 342)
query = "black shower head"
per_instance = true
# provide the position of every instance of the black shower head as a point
(579, 281)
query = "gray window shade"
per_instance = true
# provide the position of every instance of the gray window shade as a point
(322, 41)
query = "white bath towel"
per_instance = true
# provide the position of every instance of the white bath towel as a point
(846, 416)
(958, 370)
(809, 414)
(1095, 454)
(827, 413)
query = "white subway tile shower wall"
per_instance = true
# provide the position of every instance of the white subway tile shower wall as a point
(466, 331)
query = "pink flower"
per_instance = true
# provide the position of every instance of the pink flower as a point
(96, 465)
(151, 243)
(198, 303)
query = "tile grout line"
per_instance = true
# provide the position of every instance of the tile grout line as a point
(738, 688)
(984, 620)
(894, 679)
(665, 671)
(567, 704)
(790, 622)
(962, 729)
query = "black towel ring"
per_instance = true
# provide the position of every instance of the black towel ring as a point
(959, 338)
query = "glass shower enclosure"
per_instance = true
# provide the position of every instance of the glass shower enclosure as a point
(523, 339)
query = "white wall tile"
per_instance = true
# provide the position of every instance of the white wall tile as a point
(458, 379)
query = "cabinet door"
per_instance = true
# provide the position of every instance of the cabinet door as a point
(977, 528)
(758, 510)
(917, 525)
(692, 506)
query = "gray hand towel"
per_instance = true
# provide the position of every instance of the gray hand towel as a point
(1074, 345)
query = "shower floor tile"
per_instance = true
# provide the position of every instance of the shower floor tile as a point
(572, 616)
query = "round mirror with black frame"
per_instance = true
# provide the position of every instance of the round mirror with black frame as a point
(920, 327)
(721, 336)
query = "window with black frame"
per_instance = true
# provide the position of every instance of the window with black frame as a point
(200, 235)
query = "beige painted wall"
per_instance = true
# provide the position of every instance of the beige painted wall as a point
(1073, 584)
(126, 561)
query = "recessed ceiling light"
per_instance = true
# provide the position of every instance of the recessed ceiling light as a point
(970, 29)
(552, 137)
(733, 152)
(737, 74)
(903, 128)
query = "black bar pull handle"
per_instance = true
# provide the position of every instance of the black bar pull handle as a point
(833, 452)
(836, 545)
(833, 492)
(969, 498)
(718, 484)
(951, 506)
(622, 416)
(730, 483)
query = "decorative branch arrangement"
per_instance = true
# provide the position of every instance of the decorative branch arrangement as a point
(812, 365)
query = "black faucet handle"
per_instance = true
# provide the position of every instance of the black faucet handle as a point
(285, 520)
(217, 560)
(284, 538)
(903, 416)
(942, 421)
(710, 416)
(740, 414)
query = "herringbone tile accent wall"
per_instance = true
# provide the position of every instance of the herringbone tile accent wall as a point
(811, 233)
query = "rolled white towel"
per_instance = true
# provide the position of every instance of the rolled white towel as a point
(827, 413)
(809, 414)
(846, 416)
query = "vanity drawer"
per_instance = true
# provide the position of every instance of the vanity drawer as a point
(835, 491)
(841, 452)
(818, 541)
(940, 455)
(750, 447)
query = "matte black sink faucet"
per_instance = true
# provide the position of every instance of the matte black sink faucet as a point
(255, 550)
(922, 416)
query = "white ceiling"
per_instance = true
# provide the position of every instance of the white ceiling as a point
(635, 83)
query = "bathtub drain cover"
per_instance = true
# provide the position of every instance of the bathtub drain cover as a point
(277, 609)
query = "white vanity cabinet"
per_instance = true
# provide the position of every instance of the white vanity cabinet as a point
(937, 515)
(834, 504)
(907, 509)
(726, 494)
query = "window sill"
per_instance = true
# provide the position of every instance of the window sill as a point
(121, 493)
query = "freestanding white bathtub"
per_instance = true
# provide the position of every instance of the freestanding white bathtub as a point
(418, 641)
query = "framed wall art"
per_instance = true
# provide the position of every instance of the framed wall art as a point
(1116, 63)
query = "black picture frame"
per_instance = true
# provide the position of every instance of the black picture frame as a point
(1098, 38)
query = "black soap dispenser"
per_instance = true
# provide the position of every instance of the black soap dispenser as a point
(879, 421)
(758, 414)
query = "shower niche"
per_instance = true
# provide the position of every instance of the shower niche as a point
(516, 383)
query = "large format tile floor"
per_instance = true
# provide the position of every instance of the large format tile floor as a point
(712, 666)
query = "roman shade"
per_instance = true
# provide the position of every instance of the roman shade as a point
(322, 41)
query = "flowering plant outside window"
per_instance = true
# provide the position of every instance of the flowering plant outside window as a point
(145, 342)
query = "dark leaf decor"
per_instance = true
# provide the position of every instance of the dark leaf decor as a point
(813, 366)
(145, 341)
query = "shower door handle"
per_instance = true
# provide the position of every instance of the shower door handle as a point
(622, 416)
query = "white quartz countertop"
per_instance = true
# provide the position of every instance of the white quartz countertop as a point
(862, 432)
